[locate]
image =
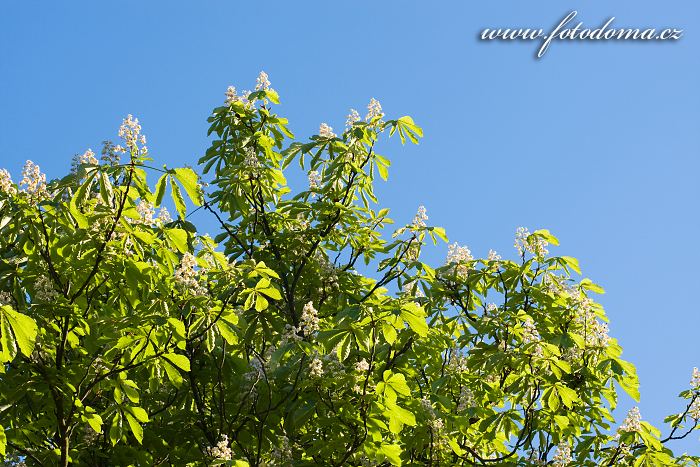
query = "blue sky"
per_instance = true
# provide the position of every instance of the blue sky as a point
(597, 142)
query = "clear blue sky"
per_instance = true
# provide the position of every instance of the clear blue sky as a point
(597, 142)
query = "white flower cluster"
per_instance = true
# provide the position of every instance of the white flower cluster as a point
(251, 160)
(282, 454)
(6, 185)
(457, 362)
(44, 289)
(316, 367)
(411, 288)
(362, 366)
(458, 256)
(256, 371)
(308, 323)
(374, 110)
(34, 180)
(420, 217)
(232, 96)
(328, 270)
(466, 399)
(314, 179)
(146, 212)
(5, 298)
(353, 117)
(262, 82)
(325, 131)
(694, 410)
(493, 256)
(695, 380)
(492, 309)
(595, 332)
(130, 132)
(221, 451)
(187, 277)
(88, 157)
(632, 421)
(562, 456)
(525, 242)
(530, 333)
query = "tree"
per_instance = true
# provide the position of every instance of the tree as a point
(129, 338)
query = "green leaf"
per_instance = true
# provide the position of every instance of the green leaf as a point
(173, 374)
(177, 238)
(589, 285)
(3, 441)
(189, 180)
(160, 189)
(260, 303)
(177, 199)
(572, 263)
(546, 235)
(392, 453)
(397, 382)
(95, 422)
(115, 431)
(414, 315)
(140, 414)
(178, 360)
(23, 327)
(226, 332)
(135, 427)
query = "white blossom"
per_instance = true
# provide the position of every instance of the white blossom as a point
(262, 82)
(34, 180)
(146, 212)
(6, 185)
(420, 217)
(493, 256)
(130, 132)
(221, 451)
(187, 277)
(427, 406)
(352, 118)
(308, 323)
(412, 289)
(164, 216)
(5, 298)
(694, 410)
(282, 454)
(231, 95)
(466, 399)
(632, 421)
(458, 256)
(525, 242)
(436, 424)
(325, 131)
(251, 160)
(695, 380)
(374, 110)
(530, 333)
(314, 179)
(44, 289)
(492, 308)
(362, 366)
(316, 367)
(562, 456)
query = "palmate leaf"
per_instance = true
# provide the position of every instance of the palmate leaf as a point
(24, 332)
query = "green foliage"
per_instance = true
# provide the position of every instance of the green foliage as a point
(129, 339)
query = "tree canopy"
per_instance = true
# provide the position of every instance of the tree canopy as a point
(307, 332)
